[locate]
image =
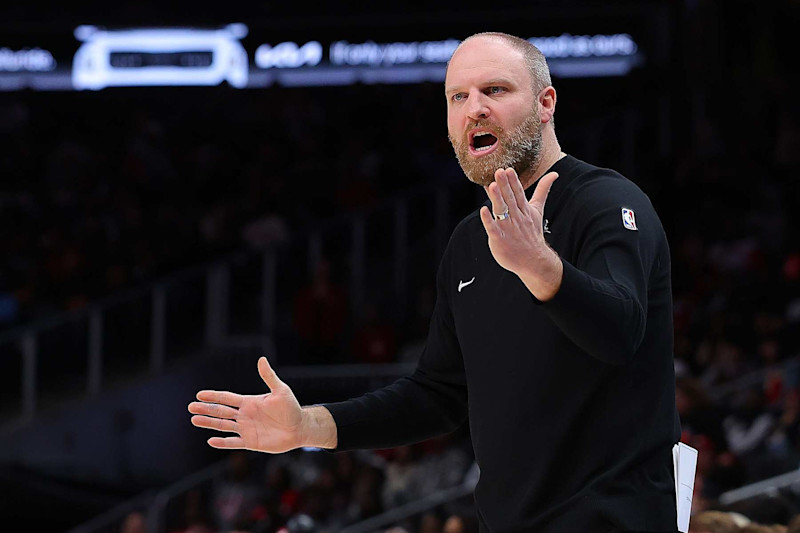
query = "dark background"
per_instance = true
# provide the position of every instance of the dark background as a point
(102, 192)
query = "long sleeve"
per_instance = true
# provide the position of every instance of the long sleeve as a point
(432, 401)
(603, 300)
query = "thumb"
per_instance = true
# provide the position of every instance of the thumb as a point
(268, 375)
(542, 190)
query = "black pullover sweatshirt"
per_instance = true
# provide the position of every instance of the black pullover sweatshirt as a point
(571, 402)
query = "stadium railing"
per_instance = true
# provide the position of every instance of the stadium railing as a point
(789, 368)
(162, 319)
(768, 487)
(111, 521)
(394, 516)
(154, 505)
(159, 506)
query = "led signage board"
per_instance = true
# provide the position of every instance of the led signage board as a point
(95, 58)
(159, 57)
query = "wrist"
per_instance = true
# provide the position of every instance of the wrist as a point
(543, 274)
(305, 430)
(317, 428)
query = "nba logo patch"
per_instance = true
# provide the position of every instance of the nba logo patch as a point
(629, 219)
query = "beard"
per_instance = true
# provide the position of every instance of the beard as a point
(520, 149)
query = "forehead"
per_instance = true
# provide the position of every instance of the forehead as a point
(484, 58)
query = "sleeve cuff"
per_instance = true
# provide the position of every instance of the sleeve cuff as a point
(344, 415)
(567, 295)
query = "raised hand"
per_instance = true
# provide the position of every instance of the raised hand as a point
(515, 232)
(272, 422)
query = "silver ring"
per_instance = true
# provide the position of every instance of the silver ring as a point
(502, 216)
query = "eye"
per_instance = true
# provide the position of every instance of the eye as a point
(458, 97)
(494, 89)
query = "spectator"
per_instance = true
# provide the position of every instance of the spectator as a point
(403, 477)
(374, 342)
(699, 416)
(748, 428)
(460, 524)
(714, 522)
(236, 496)
(320, 310)
(134, 523)
(431, 522)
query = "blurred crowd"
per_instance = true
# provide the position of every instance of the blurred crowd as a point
(731, 522)
(101, 193)
(315, 492)
(108, 193)
(728, 210)
(736, 275)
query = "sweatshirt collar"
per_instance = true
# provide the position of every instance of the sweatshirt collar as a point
(564, 167)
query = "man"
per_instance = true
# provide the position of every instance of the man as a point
(555, 339)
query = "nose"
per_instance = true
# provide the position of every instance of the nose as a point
(477, 107)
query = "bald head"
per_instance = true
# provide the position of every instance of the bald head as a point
(534, 59)
(500, 107)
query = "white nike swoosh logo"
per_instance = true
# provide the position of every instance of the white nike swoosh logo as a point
(462, 284)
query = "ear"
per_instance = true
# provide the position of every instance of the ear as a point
(547, 104)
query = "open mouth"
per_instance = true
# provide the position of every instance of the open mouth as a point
(482, 142)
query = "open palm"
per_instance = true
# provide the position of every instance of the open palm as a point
(265, 422)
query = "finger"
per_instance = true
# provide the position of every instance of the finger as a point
(221, 397)
(213, 409)
(489, 223)
(268, 375)
(498, 204)
(504, 184)
(516, 186)
(542, 190)
(214, 423)
(227, 443)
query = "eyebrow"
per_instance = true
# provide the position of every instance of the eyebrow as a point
(488, 83)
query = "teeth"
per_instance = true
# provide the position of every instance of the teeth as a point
(481, 134)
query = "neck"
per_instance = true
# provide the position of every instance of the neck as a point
(551, 152)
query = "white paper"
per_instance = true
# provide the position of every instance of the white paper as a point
(684, 463)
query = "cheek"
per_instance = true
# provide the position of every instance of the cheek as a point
(452, 128)
(456, 116)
